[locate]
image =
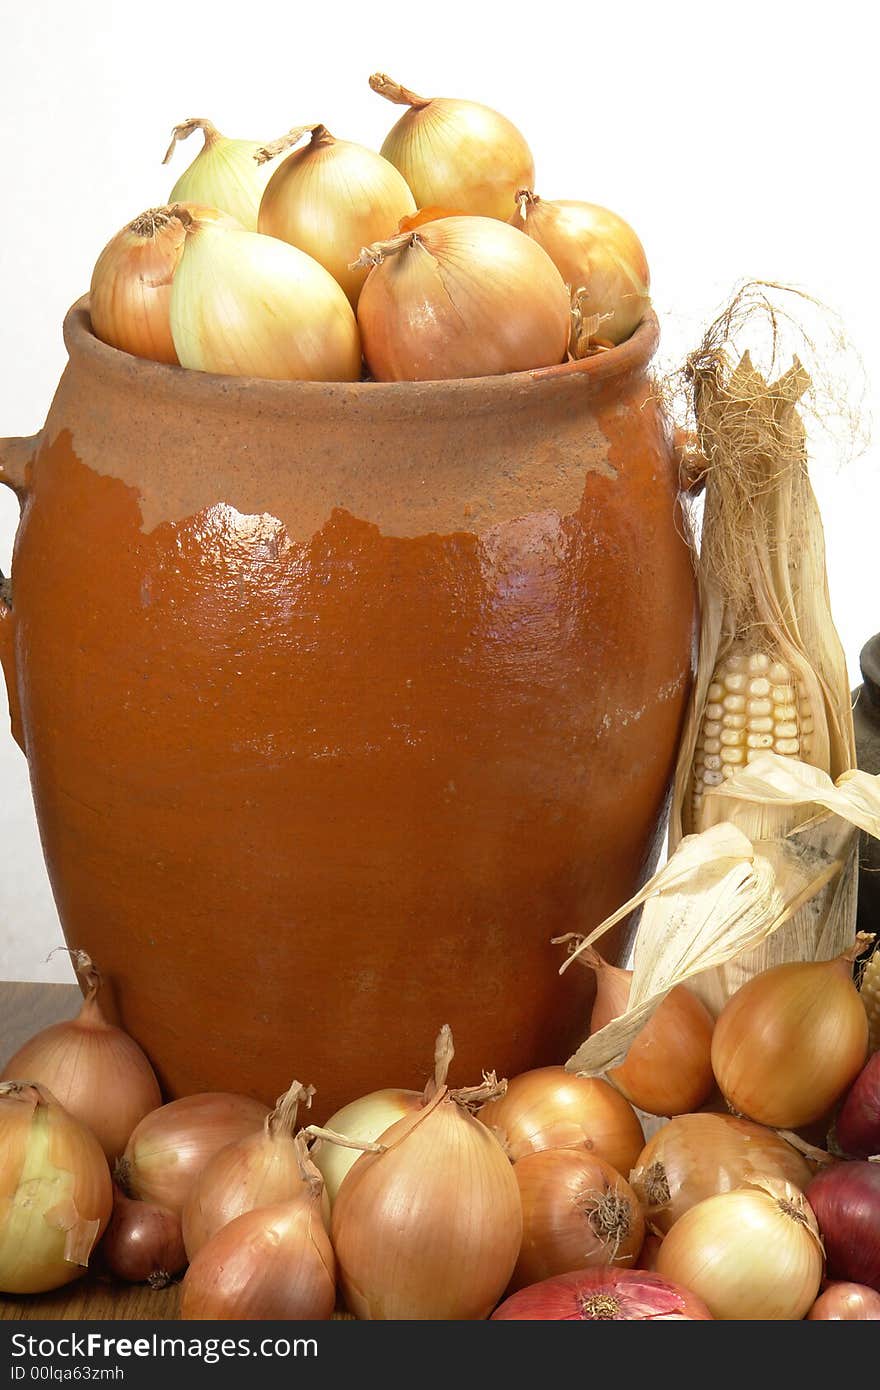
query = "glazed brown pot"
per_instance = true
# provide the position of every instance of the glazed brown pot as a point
(340, 701)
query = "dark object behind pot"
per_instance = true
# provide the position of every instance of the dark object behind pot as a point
(866, 716)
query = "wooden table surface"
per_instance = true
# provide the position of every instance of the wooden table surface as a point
(24, 1010)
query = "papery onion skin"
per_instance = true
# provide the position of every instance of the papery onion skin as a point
(243, 304)
(56, 1194)
(699, 1156)
(224, 174)
(96, 1071)
(549, 1108)
(364, 1119)
(130, 293)
(846, 1200)
(456, 154)
(790, 1041)
(462, 298)
(604, 1295)
(143, 1243)
(748, 1254)
(594, 250)
(578, 1212)
(271, 1263)
(172, 1145)
(668, 1068)
(431, 1228)
(650, 1249)
(843, 1302)
(857, 1126)
(330, 199)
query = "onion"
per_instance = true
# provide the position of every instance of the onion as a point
(225, 173)
(594, 1295)
(55, 1191)
(846, 1303)
(649, 1251)
(455, 154)
(258, 1170)
(243, 304)
(430, 1225)
(460, 297)
(270, 1263)
(172, 1145)
(143, 1243)
(577, 1212)
(363, 1120)
(97, 1072)
(598, 256)
(753, 1253)
(668, 1068)
(699, 1156)
(550, 1108)
(130, 295)
(858, 1125)
(330, 199)
(790, 1041)
(846, 1200)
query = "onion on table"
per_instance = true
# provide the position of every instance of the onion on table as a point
(56, 1194)
(429, 1224)
(94, 1069)
(604, 1295)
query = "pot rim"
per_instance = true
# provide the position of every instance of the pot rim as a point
(627, 359)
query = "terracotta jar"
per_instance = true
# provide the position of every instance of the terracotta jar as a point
(340, 701)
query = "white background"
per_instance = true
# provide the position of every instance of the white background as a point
(738, 139)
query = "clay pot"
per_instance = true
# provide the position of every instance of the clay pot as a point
(340, 701)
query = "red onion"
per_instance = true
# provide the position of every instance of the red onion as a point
(846, 1200)
(143, 1243)
(858, 1124)
(846, 1303)
(593, 1295)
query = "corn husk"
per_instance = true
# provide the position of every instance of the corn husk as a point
(763, 588)
(721, 896)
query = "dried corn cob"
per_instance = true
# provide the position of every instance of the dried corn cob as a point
(754, 704)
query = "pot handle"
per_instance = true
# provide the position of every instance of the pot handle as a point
(15, 457)
(691, 461)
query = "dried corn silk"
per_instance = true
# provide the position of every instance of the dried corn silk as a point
(771, 674)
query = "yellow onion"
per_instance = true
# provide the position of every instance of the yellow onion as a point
(790, 1041)
(97, 1072)
(363, 1120)
(429, 1226)
(700, 1156)
(598, 256)
(668, 1068)
(456, 154)
(750, 1254)
(130, 295)
(578, 1212)
(172, 1145)
(460, 297)
(259, 1170)
(55, 1191)
(225, 173)
(331, 198)
(846, 1303)
(269, 1263)
(243, 304)
(549, 1108)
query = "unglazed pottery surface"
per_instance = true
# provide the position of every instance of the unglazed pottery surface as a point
(340, 701)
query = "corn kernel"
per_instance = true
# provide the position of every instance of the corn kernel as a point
(790, 747)
(733, 755)
(735, 703)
